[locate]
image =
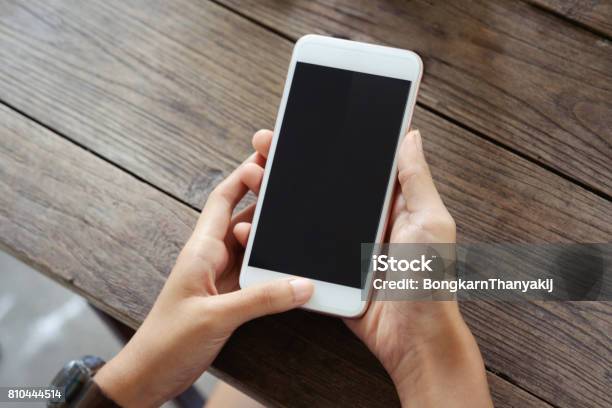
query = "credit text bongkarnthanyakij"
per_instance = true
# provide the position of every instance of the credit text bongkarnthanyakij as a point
(385, 263)
(487, 271)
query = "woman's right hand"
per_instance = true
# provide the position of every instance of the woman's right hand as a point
(425, 346)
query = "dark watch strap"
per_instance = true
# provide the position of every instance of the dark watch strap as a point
(93, 397)
(76, 379)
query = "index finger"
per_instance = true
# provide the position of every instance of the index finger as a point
(215, 218)
(262, 140)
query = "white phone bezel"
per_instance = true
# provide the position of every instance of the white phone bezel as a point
(331, 298)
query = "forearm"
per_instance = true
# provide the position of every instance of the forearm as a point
(446, 370)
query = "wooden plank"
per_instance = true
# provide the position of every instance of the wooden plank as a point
(518, 74)
(172, 91)
(594, 14)
(553, 331)
(506, 394)
(112, 238)
(118, 108)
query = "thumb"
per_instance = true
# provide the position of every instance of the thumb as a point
(268, 298)
(414, 177)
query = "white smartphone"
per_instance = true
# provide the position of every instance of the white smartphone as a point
(332, 166)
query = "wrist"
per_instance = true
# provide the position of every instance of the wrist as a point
(124, 384)
(446, 362)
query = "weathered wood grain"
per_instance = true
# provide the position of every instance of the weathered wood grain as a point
(112, 238)
(129, 105)
(506, 395)
(595, 14)
(564, 347)
(84, 222)
(171, 91)
(518, 74)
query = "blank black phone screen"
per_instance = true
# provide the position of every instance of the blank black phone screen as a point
(330, 173)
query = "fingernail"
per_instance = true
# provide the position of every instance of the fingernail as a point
(417, 140)
(302, 289)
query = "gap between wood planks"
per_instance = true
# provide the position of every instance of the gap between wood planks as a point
(98, 155)
(548, 9)
(470, 129)
(516, 152)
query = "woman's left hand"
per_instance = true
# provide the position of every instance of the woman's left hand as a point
(200, 305)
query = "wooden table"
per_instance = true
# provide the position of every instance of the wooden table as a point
(118, 117)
